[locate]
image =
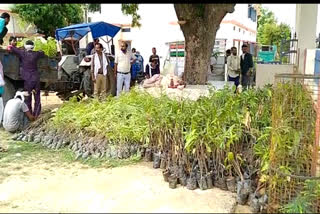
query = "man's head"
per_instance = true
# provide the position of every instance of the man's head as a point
(133, 50)
(13, 41)
(96, 40)
(6, 17)
(21, 95)
(228, 52)
(234, 51)
(123, 46)
(244, 48)
(154, 50)
(29, 45)
(99, 48)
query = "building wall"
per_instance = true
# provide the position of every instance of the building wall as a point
(159, 26)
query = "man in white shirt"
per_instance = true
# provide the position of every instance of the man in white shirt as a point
(99, 71)
(122, 64)
(16, 113)
(233, 65)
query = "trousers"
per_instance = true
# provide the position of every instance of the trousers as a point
(123, 78)
(29, 86)
(100, 85)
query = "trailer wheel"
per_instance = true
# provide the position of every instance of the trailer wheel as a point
(9, 91)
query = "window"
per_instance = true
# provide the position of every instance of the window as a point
(239, 29)
(234, 28)
(126, 30)
(252, 13)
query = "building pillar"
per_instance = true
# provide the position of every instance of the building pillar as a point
(306, 26)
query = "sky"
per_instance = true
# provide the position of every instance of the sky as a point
(287, 13)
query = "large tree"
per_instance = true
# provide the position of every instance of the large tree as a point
(199, 24)
(48, 17)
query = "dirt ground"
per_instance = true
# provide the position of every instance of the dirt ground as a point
(34, 179)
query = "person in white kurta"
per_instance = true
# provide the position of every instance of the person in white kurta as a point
(233, 65)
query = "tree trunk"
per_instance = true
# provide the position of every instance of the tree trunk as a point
(201, 24)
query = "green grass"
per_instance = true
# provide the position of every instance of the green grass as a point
(32, 153)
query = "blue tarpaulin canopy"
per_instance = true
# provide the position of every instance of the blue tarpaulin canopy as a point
(78, 31)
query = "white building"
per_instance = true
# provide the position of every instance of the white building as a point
(159, 26)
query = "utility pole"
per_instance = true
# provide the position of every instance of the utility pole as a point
(86, 19)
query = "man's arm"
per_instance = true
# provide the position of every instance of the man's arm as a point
(25, 110)
(17, 51)
(250, 61)
(229, 64)
(30, 116)
(40, 54)
(116, 65)
(92, 69)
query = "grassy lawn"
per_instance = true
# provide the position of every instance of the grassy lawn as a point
(26, 153)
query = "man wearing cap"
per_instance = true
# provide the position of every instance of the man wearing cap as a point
(16, 113)
(30, 74)
(4, 20)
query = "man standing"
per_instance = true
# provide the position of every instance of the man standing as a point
(122, 65)
(91, 46)
(30, 74)
(233, 65)
(4, 20)
(136, 67)
(155, 56)
(99, 71)
(16, 113)
(246, 64)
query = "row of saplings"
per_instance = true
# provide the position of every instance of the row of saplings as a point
(197, 169)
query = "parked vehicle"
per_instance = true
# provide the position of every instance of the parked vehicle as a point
(65, 75)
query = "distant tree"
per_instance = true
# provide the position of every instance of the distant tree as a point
(199, 24)
(94, 7)
(48, 17)
(270, 32)
(265, 17)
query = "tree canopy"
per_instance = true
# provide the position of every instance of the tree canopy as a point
(48, 17)
(269, 31)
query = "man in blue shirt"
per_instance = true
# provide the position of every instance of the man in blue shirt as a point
(4, 20)
(136, 68)
(91, 46)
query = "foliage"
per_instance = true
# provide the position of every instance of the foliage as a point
(265, 17)
(49, 46)
(48, 17)
(214, 124)
(303, 202)
(94, 7)
(292, 140)
(270, 32)
(132, 9)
